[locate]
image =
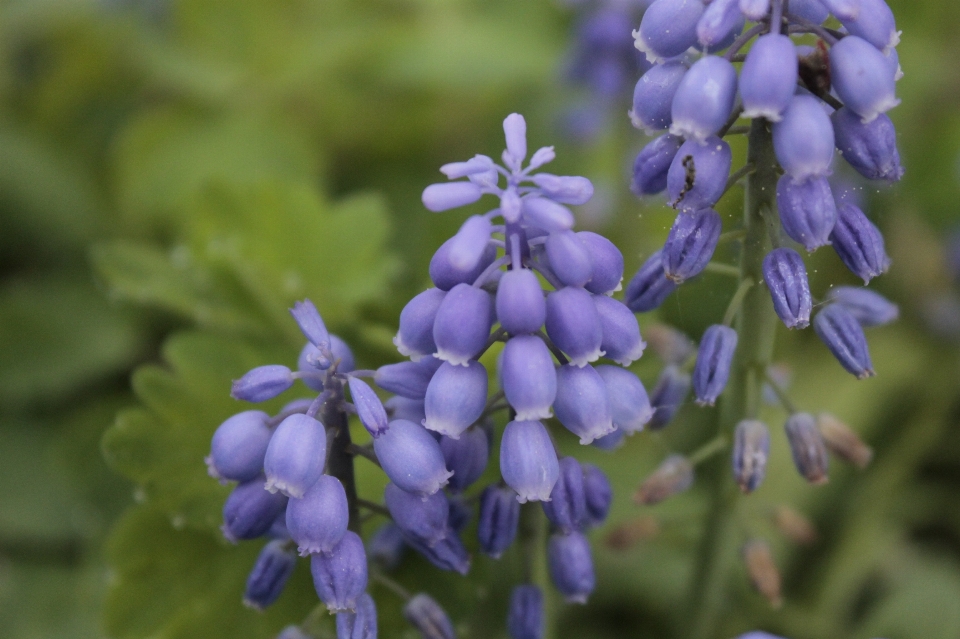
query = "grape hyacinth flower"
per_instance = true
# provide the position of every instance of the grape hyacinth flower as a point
(713, 363)
(698, 174)
(859, 243)
(690, 245)
(751, 450)
(808, 211)
(843, 335)
(807, 447)
(525, 616)
(786, 278)
(571, 566)
(867, 307)
(270, 573)
(652, 165)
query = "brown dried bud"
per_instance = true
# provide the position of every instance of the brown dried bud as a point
(673, 476)
(669, 344)
(843, 442)
(763, 572)
(794, 526)
(629, 533)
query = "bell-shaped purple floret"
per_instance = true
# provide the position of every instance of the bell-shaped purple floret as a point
(704, 100)
(408, 379)
(385, 547)
(447, 554)
(652, 164)
(250, 510)
(768, 78)
(470, 243)
(862, 78)
(262, 383)
(445, 275)
(712, 370)
(270, 573)
(629, 405)
(810, 10)
(751, 449)
(497, 523)
(843, 335)
(546, 214)
(786, 278)
(466, 457)
(653, 96)
(621, 332)
(565, 189)
(411, 458)
(581, 404)
(755, 10)
(421, 518)
(859, 243)
(598, 493)
(567, 508)
(573, 325)
(361, 624)
(528, 462)
(528, 377)
(843, 9)
(668, 395)
(571, 566)
(450, 195)
(874, 23)
(721, 20)
(649, 287)
(455, 398)
(340, 576)
(690, 244)
(808, 211)
(296, 454)
(803, 139)
(869, 148)
(370, 410)
(415, 337)
(668, 28)
(238, 447)
(569, 258)
(807, 447)
(318, 521)
(698, 175)
(521, 307)
(462, 325)
(868, 307)
(525, 614)
(428, 617)
(607, 263)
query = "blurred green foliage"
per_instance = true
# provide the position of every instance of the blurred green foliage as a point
(174, 173)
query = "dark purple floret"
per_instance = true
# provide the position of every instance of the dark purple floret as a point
(649, 287)
(690, 244)
(712, 370)
(270, 573)
(786, 279)
(525, 615)
(567, 508)
(843, 335)
(499, 517)
(859, 243)
(653, 163)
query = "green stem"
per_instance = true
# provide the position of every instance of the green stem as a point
(756, 327)
(533, 544)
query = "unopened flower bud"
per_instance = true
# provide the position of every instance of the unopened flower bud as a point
(712, 370)
(318, 521)
(546, 214)
(476, 164)
(839, 330)
(698, 174)
(426, 615)
(786, 279)
(768, 79)
(868, 307)
(565, 189)
(653, 163)
(751, 449)
(498, 520)
(670, 344)
(415, 337)
(528, 462)
(445, 275)
(763, 572)
(295, 456)
(450, 195)
(411, 458)
(262, 383)
(447, 554)
(869, 148)
(571, 566)
(340, 576)
(862, 77)
(525, 615)
(270, 573)
(704, 98)
(598, 493)
(843, 442)
(673, 476)
(370, 409)
(858, 243)
(807, 447)
(794, 526)
(567, 508)
(668, 395)
(649, 287)
(690, 244)
(808, 211)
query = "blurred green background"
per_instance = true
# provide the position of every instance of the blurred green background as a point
(174, 173)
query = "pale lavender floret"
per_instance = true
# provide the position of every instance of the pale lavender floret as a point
(869, 148)
(521, 307)
(447, 554)
(707, 166)
(462, 324)
(296, 454)
(546, 214)
(786, 279)
(621, 333)
(445, 276)
(868, 307)
(598, 493)
(424, 519)
(704, 100)
(668, 28)
(649, 287)
(262, 383)
(690, 245)
(318, 521)
(450, 195)
(754, 9)
(370, 410)
(414, 339)
(875, 24)
(607, 263)
(810, 10)
(411, 458)
(498, 520)
(571, 566)
(455, 398)
(862, 78)
(629, 405)
(528, 462)
(803, 139)
(515, 132)
(385, 547)
(361, 624)
(565, 189)
(469, 243)
(543, 155)
(712, 370)
(751, 449)
(843, 335)
(653, 96)
(238, 447)
(768, 78)
(476, 164)
(408, 379)
(528, 377)
(250, 511)
(340, 576)
(668, 395)
(807, 447)
(525, 615)
(859, 243)
(569, 258)
(567, 508)
(428, 617)
(270, 573)
(652, 164)
(466, 457)
(573, 325)
(843, 9)
(310, 322)
(581, 405)
(808, 211)
(720, 20)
